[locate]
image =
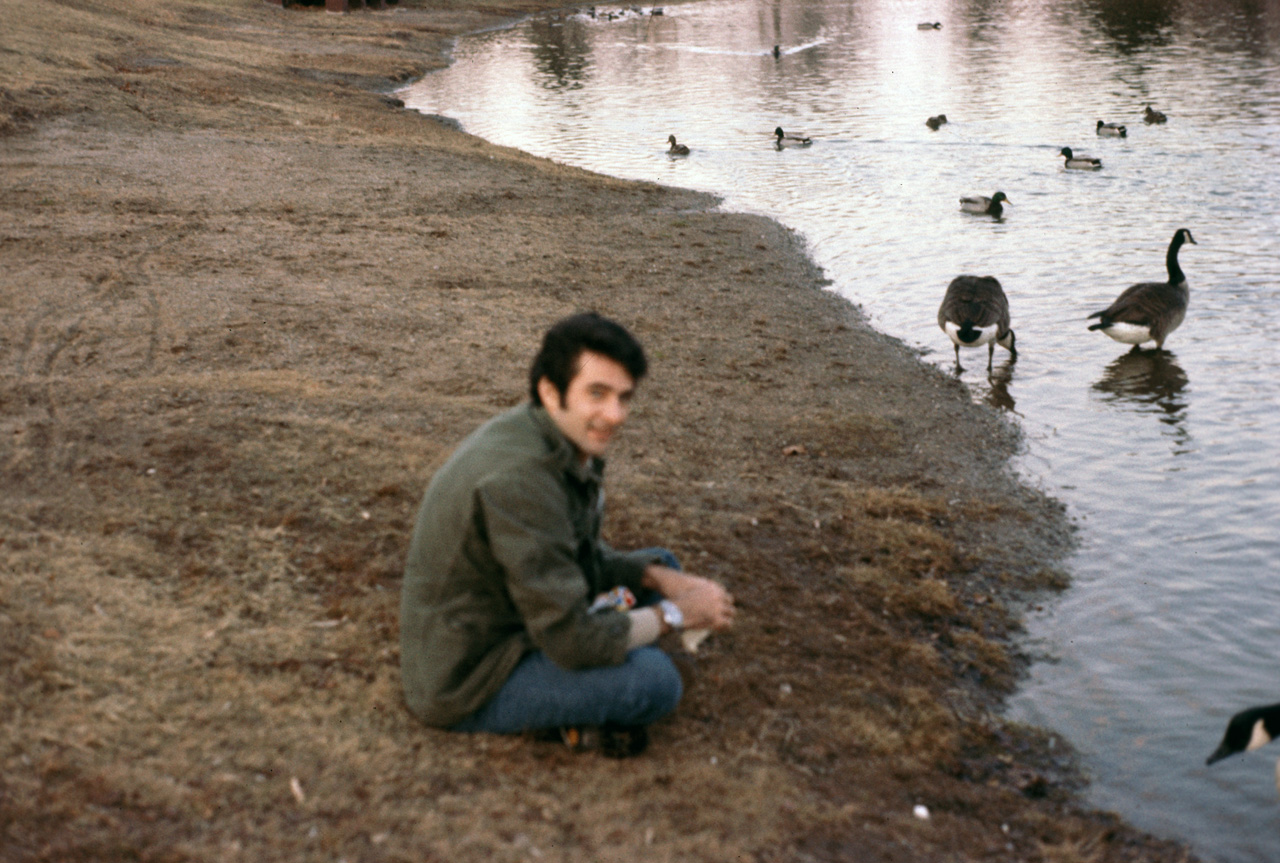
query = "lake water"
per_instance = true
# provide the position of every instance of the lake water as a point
(1170, 462)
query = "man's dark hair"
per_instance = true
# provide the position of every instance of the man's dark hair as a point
(557, 361)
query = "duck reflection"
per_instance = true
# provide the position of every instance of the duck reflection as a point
(998, 381)
(1150, 378)
(1135, 24)
(561, 52)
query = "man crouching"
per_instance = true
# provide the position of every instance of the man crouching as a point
(514, 615)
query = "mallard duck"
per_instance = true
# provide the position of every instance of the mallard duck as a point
(975, 312)
(1248, 730)
(785, 140)
(1079, 163)
(1151, 116)
(1149, 310)
(676, 149)
(984, 206)
(929, 25)
(935, 122)
(1111, 130)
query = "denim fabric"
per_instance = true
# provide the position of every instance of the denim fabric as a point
(540, 694)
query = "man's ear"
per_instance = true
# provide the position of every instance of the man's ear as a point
(548, 393)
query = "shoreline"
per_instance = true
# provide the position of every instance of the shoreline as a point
(269, 305)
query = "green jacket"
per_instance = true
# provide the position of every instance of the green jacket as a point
(505, 558)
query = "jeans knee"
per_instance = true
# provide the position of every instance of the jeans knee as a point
(658, 687)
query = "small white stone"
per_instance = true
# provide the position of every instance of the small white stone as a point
(921, 811)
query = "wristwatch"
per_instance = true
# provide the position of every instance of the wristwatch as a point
(672, 616)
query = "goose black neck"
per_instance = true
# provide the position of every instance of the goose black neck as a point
(1176, 276)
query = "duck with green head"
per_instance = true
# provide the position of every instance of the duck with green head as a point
(1079, 163)
(984, 206)
(785, 140)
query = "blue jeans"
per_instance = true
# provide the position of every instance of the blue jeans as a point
(540, 694)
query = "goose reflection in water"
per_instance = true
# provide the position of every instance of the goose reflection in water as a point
(999, 379)
(1148, 378)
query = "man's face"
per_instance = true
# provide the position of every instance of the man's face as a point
(595, 405)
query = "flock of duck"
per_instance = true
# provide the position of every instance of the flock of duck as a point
(782, 140)
(975, 312)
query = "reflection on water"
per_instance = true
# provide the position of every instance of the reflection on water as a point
(1169, 627)
(562, 55)
(998, 381)
(1135, 24)
(1149, 379)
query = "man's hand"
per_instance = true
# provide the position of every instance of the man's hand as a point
(704, 603)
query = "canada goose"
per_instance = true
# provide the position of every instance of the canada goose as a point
(929, 25)
(785, 140)
(1149, 310)
(984, 206)
(1248, 730)
(676, 149)
(1080, 163)
(975, 312)
(1150, 116)
(1111, 130)
(935, 122)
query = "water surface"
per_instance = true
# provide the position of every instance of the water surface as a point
(1169, 461)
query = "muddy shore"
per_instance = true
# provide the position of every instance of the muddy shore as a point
(247, 304)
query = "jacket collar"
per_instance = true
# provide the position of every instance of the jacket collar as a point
(563, 453)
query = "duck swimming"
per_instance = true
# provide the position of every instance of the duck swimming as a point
(984, 206)
(676, 149)
(975, 312)
(929, 25)
(935, 122)
(1150, 116)
(785, 140)
(1149, 310)
(1079, 163)
(1111, 130)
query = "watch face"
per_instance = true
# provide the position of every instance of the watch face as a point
(672, 616)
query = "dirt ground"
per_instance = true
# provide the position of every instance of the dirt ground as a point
(247, 304)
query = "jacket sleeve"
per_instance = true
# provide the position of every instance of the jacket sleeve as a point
(531, 537)
(625, 567)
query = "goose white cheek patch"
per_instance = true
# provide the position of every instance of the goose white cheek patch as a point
(1260, 737)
